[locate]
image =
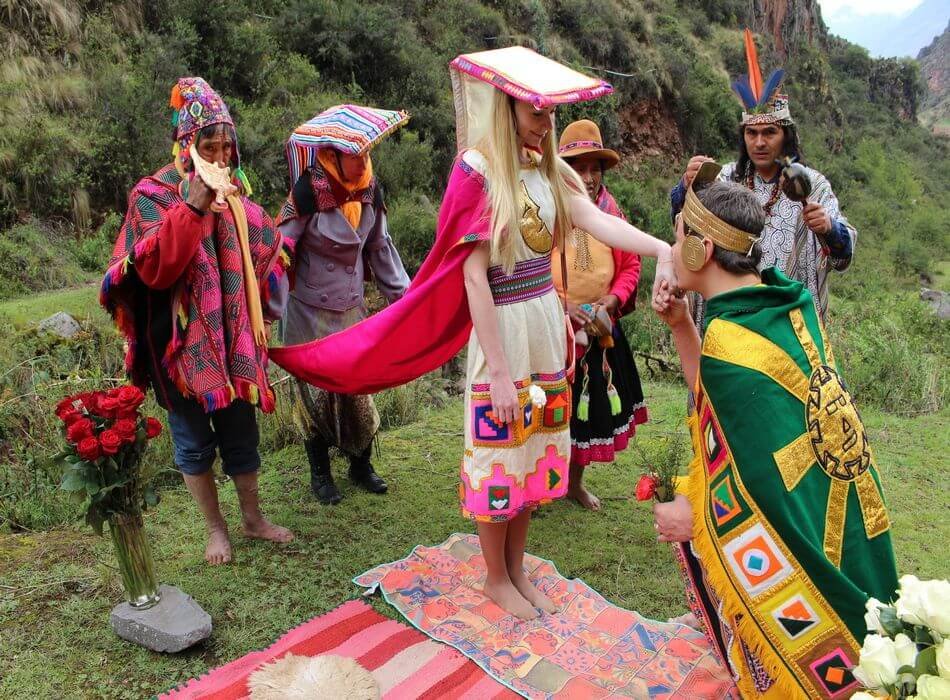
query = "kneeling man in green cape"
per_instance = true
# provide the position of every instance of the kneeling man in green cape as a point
(784, 530)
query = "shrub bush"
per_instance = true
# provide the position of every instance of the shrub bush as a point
(36, 256)
(895, 358)
(93, 251)
(412, 220)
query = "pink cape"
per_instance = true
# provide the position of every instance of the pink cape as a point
(421, 331)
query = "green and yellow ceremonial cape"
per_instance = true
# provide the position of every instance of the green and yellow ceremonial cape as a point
(791, 530)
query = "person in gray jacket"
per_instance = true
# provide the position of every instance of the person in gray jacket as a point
(335, 237)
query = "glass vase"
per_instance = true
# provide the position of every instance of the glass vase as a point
(135, 560)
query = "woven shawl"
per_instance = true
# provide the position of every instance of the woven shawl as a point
(212, 356)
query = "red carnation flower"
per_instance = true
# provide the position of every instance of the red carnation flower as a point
(153, 427)
(126, 428)
(110, 441)
(79, 430)
(88, 449)
(646, 487)
(129, 397)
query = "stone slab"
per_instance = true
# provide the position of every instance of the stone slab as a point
(61, 324)
(175, 623)
(939, 302)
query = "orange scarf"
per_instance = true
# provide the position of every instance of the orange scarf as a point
(353, 210)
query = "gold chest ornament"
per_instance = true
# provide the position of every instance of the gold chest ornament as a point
(533, 229)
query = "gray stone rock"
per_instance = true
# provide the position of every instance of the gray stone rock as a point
(175, 623)
(61, 324)
(939, 302)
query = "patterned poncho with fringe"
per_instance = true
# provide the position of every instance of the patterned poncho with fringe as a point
(212, 356)
(791, 535)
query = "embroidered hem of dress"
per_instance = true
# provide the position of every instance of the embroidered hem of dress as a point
(530, 505)
(605, 449)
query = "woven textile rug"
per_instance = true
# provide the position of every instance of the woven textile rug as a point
(404, 662)
(591, 649)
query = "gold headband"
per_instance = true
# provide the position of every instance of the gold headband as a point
(724, 235)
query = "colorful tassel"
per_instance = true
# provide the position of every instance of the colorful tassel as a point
(176, 100)
(245, 183)
(583, 408)
(614, 397)
(175, 117)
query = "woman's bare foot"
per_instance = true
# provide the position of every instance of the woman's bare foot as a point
(218, 550)
(532, 594)
(263, 529)
(584, 497)
(507, 597)
(688, 619)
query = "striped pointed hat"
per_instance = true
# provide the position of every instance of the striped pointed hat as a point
(196, 105)
(346, 128)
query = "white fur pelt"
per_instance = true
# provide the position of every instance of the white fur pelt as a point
(310, 677)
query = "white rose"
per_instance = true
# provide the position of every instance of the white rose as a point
(861, 695)
(878, 665)
(910, 603)
(943, 659)
(905, 649)
(933, 688)
(925, 603)
(935, 596)
(872, 618)
(538, 397)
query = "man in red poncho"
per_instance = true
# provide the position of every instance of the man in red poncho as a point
(186, 285)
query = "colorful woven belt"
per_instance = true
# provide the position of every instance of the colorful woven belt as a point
(529, 280)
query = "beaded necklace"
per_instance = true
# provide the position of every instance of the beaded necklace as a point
(776, 190)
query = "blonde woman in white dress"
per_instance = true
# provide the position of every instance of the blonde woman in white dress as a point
(517, 439)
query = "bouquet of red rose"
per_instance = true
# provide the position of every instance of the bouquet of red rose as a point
(661, 482)
(106, 435)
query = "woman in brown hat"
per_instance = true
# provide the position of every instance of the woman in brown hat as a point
(601, 287)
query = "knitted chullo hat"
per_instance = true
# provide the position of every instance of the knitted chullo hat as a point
(196, 105)
(762, 104)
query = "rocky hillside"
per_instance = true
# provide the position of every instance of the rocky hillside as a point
(935, 70)
(84, 89)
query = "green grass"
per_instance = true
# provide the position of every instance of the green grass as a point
(58, 586)
(81, 302)
(942, 275)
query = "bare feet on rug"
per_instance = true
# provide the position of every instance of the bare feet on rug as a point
(507, 597)
(688, 619)
(583, 497)
(532, 594)
(218, 550)
(263, 529)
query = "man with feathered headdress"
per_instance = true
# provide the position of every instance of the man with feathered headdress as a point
(189, 286)
(803, 239)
